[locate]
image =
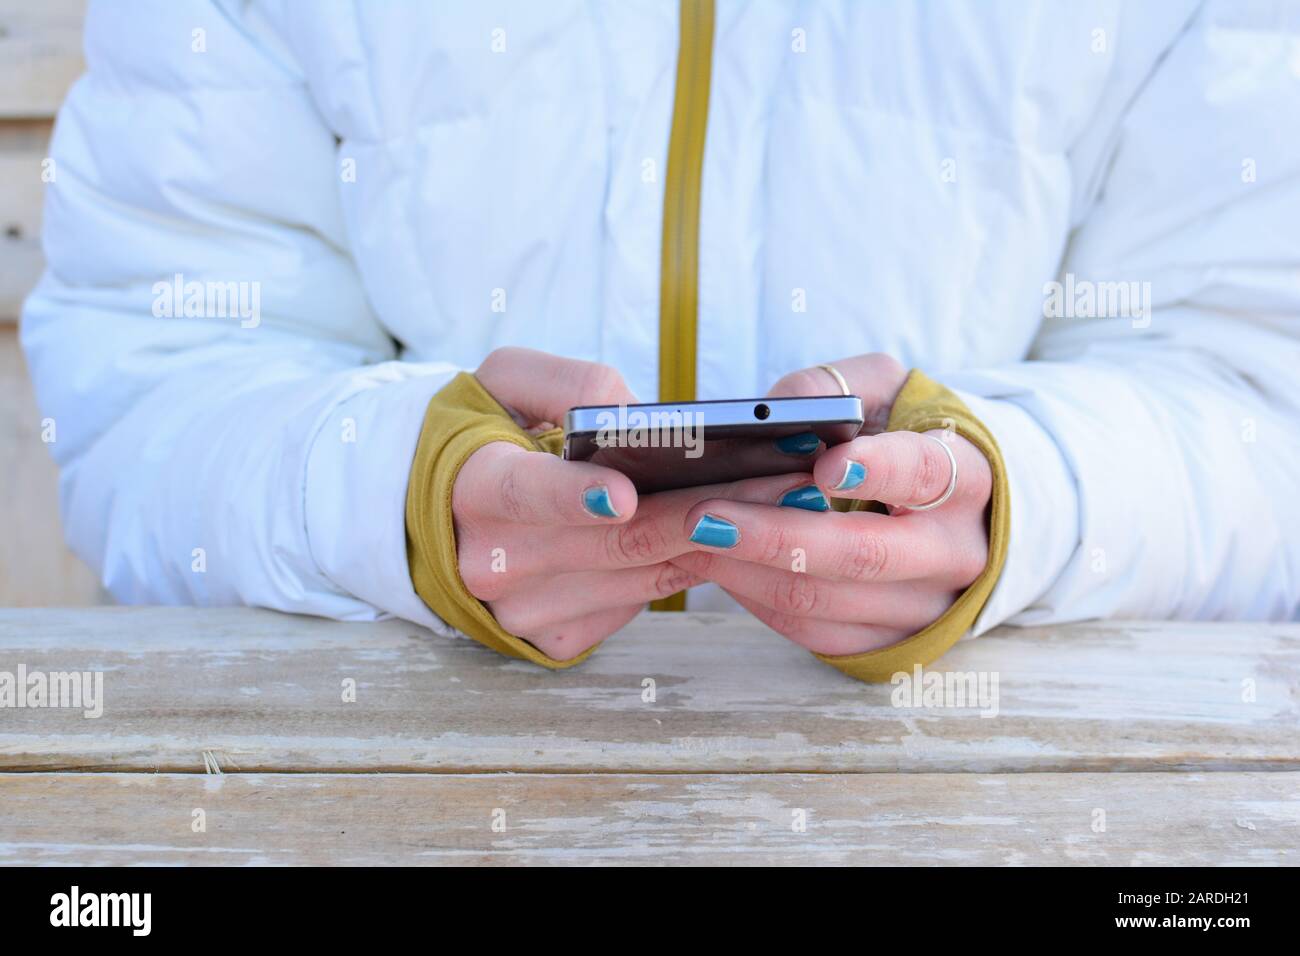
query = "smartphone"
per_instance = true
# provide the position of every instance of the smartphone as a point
(683, 444)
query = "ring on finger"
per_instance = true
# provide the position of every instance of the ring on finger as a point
(839, 379)
(952, 482)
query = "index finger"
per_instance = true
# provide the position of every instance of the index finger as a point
(543, 387)
(906, 469)
(876, 379)
(653, 535)
(861, 547)
(503, 482)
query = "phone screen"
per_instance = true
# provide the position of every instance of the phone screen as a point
(719, 460)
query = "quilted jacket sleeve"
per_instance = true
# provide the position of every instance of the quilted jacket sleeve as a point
(1151, 442)
(231, 421)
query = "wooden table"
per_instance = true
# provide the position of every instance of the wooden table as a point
(226, 738)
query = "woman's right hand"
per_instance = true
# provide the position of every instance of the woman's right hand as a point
(561, 552)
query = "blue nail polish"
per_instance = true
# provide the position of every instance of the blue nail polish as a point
(805, 443)
(809, 498)
(715, 532)
(597, 502)
(855, 473)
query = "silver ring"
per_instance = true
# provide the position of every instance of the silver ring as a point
(839, 379)
(952, 482)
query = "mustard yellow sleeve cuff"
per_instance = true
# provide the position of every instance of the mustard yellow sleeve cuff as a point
(461, 419)
(922, 405)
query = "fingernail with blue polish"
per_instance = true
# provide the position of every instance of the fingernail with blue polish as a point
(715, 532)
(809, 498)
(598, 503)
(855, 473)
(805, 443)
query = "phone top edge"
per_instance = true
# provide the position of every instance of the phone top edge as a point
(816, 409)
(725, 401)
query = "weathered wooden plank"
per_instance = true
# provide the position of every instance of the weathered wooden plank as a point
(24, 146)
(21, 263)
(877, 819)
(36, 567)
(40, 54)
(260, 691)
(23, 149)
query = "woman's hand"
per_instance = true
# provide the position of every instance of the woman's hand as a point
(541, 541)
(845, 583)
(563, 553)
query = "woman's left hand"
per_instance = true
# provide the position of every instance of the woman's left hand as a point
(845, 583)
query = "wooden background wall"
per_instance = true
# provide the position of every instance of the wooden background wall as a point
(40, 57)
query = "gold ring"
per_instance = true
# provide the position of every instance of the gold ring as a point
(839, 379)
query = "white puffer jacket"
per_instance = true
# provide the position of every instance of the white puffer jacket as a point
(396, 188)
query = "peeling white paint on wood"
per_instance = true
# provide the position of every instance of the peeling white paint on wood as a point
(752, 752)
(264, 690)
(882, 819)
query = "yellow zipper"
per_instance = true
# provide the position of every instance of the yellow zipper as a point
(680, 257)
